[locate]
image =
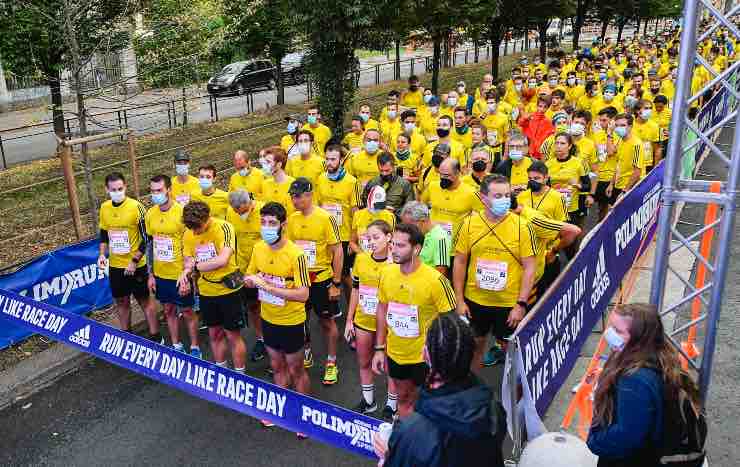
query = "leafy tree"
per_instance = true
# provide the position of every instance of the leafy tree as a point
(36, 38)
(265, 28)
(182, 42)
(509, 15)
(618, 11)
(541, 13)
(581, 9)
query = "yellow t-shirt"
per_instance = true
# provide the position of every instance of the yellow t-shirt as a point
(449, 207)
(363, 218)
(649, 133)
(217, 201)
(310, 168)
(252, 182)
(519, 177)
(273, 191)
(587, 150)
(354, 141)
(564, 174)
(247, 233)
(607, 163)
(321, 135)
(389, 131)
(290, 146)
(411, 165)
(285, 268)
(363, 166)
(413, 99)
(124, 232)
(465, 139)
(183, 192)
(314, 234)
(339, 199)
(413, 300)
(629, 157)
(218, 235)
(166, 229)
(495, 253)
(550, 203)
(498, 125)
(546, 230)
(366, 274)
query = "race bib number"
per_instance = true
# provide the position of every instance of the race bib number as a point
(355, 150)
(365, 242)
(265, 297)
(602, 152)
(309, 249)
(368, 299)
(164, 249)
(119, 242)
(183, 199)
(403, 319)
(492, 137)
(335, 210)
(648, 148)
(447, 227)
(567, 195)
(491, 275)
(205, 252)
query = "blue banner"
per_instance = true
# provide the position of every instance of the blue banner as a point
(68, 278)
(330, 424)
(551, 336)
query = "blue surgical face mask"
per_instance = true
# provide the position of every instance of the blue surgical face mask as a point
(392, 114)
(516, 154)
(336, 176)
(365, 117)
(614, 340)
(244, 172)
(205, 183)
(646, 113)
(267, 170)
(182, 169)
(270, 235)
(427, 98)
(621, 131)
(159, 198)
(292, 127)
(500, 206)
(371, 147)
(312, 119)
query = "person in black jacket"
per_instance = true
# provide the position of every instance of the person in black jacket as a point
(455, 421)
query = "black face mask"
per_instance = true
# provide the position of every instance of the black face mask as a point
(513, 202)
(386, 178)
(479, 166)
(443, 132)
(413, 87)
(437, 160)
(445, 183)
(535, 186)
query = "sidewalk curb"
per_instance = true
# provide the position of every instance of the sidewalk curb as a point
(44, 369)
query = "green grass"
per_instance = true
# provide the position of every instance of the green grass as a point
(36, 219)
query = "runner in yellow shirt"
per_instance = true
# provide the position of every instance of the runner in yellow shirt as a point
(451, 200)
(321, 133)
(353, 139)
(244, 215)
(288, 142)
(540, 196)
(308, 164)
(630, 158)
(216, 199)
(569, 176)
(276, 184)
(364, 165)
(495, 265)
(246, 177)
(410, 296)
(123, 237)
(316, 232)
(164, 229)
(279, 271)
(607, 143)
(361, 311)
(444, 130)
(414, 97)
(209, 249)
(184, 185)
(462, 133)
(649, 132)
(375, 210)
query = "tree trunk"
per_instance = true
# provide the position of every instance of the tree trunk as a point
(397, 67)
(279, 80)
(437, 42)
(55, 89)
(644, 29)
(583, 6)
(496, 37)
(604, 25)
(542, 29)
(620, 29)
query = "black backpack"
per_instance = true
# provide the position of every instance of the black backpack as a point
(684, 433)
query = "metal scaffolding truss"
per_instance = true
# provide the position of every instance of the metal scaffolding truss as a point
(677, 191)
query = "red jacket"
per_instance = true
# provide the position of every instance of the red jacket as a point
(537, 127)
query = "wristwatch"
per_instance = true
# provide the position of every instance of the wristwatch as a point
(521, 303)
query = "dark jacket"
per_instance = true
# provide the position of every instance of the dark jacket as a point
(455, 425)
(397, 192)
(636, 432)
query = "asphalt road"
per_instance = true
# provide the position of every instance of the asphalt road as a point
(104, 415)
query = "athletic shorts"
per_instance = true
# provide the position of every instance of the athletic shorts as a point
(122, 286)
(318, 299)
(286, 339)
(489, 319)
(226, 311)
(416, 372)
(249, 295)
(167, 293)
(349, 259)
(600, 194)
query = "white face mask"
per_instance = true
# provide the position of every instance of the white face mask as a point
(614, 340)
(304, 148)
(117, 196)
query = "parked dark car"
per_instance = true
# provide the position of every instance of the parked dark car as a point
(294, 69)
(241, 77)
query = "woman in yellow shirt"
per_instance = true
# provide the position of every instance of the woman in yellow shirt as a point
(363, 302)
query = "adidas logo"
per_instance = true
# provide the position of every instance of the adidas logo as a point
(601, 279)
(81, 337)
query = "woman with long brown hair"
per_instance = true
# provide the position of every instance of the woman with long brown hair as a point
(641, 381)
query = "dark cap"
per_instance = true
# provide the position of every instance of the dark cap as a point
(443, 149)
(299, 186)
(182, 156)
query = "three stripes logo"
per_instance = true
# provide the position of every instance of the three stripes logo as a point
(601, 279)
(81, 337)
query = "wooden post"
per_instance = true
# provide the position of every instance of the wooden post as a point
(65, 152)
(133, 163)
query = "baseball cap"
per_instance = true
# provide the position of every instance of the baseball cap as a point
(376, 198)
(559, 116)
(182, 156)
(299, 186)
(433, 101)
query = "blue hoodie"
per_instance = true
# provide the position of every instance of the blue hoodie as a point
(455, 425)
